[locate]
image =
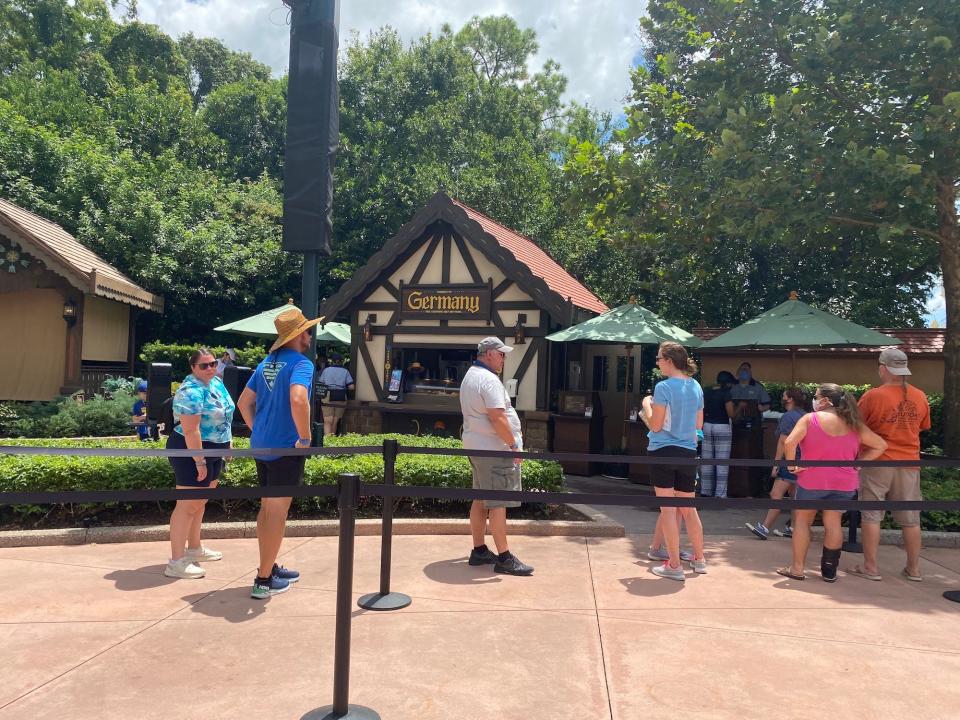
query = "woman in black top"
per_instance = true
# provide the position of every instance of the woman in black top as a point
(717, 434)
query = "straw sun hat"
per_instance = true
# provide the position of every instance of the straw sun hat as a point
(289, 324)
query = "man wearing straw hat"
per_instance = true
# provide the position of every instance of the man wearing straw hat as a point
(275, 405)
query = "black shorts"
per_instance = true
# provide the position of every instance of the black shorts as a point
(185, 468)
(682, 478)
(282, 472)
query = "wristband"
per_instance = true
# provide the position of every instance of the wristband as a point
(514, 447)
(303, 440)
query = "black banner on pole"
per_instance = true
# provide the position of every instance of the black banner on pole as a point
(313, 125)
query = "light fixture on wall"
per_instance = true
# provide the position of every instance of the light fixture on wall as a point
(519, 336)
(70, 312)
(368, 328)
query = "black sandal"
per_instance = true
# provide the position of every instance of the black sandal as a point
(787, 572)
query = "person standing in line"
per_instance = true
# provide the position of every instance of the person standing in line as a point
(491, 423)
(717, 435)
(833, 431)
(897, 412)
(338, 381)
(674, 413)
(275, 405)
(203, 416)
(227, 359)
(784, 481)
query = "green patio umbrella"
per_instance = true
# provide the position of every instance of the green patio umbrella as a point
(794, 324)
(626, 325)
(261, 325)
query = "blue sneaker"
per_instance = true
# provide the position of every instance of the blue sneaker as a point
(758, 529)
(262, 590)
(280, 572)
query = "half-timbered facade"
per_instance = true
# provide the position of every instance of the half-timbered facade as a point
(450, 277)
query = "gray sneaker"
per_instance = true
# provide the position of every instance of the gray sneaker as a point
(699, 566)
(661, 554)
(665, 571)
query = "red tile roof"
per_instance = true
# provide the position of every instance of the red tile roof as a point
(540, 263)
(915, 341)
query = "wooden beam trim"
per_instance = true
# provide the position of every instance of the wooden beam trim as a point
(425, 260)
(371, 370)
(502, 288)
(533, 350)
(445, 265)
(435, 330)
(468, 259)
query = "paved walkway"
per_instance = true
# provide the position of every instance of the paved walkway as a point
(96, 631)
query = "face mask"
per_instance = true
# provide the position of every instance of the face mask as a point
(744, 375)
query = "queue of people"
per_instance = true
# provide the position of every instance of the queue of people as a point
(885, 424)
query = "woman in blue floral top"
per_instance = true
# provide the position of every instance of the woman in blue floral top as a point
(203, 415)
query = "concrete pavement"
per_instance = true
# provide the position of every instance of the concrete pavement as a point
(96, 631)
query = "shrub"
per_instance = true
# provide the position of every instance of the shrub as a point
(65, 472)
(98, 416)
(178, 354)
(940, 484)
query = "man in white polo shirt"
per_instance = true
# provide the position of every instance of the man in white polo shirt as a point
(491, 423)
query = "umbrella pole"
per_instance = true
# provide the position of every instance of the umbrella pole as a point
(626, 399)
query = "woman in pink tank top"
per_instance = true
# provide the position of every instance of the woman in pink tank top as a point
(833, 431)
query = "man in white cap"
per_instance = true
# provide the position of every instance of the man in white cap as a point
(897, 412)
(275, 405)
(491, 423)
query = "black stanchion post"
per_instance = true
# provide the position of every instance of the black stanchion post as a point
(853, 522)
(386, 600)
(952, 595)
(349, 494)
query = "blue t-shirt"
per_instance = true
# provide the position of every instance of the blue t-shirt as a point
(140, 408)
(211, 402)
(273, 425)
(684, 399)
(789, 420)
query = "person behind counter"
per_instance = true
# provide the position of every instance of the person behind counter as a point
(717, 435)
(491, 423)
(338, 381)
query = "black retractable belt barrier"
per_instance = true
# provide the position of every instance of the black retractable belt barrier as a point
(386, 600)
(349, 486)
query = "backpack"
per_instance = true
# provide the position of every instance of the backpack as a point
(166, 417)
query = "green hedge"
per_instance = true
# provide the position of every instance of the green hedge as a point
(64, 472)
(178, 354)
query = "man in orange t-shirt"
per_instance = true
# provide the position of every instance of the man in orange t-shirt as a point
(897, 412)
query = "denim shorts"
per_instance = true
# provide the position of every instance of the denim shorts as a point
(808, 494)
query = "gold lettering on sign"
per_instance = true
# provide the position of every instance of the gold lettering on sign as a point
(442, 302)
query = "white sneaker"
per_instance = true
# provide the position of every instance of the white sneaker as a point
(699, 566)
(184, 569)
(203, 554)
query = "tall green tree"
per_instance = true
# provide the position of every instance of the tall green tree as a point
(775, 144)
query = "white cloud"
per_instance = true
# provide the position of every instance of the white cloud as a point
(594, 41)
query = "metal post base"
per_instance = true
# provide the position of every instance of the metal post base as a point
(390, 601)
(853, 547)
(354, 712)
(952, 595)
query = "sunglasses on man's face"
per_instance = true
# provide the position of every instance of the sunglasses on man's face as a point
(206, 365)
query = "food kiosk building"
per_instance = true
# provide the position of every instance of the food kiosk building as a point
(450, 277)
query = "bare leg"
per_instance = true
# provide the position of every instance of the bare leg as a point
(271, 523)
(478, 522)
(181, 521)
(802, 520)
(498, 528)
(691, 519)
(193, 537)
(870, 537)
(671, 530)
(779, 489)
(912, 543)
(832, 530)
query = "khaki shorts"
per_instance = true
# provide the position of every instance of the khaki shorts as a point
(495, 474)
(332, 412)
(890, 484)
